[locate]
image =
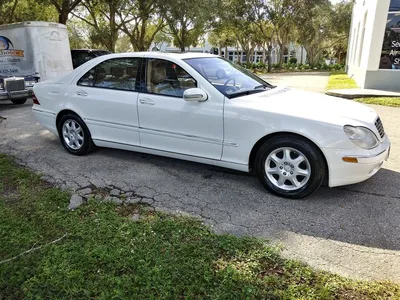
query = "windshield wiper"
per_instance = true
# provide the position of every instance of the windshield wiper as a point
(262, 86)
(244, 93)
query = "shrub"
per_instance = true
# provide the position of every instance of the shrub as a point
(275, 66)
(293, 60)
(325, 67)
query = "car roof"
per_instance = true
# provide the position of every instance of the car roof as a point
(160, 54)
(90, 50)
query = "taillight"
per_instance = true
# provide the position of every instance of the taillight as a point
(34, 99)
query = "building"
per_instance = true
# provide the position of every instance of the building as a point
(373, 58)
(236, 54)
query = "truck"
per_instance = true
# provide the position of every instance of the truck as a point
(31, 52)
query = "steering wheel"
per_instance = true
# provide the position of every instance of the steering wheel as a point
(229, 80)
(232, 87)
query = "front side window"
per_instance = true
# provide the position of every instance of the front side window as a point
(167, 78)
(230, 79)
(117, 74)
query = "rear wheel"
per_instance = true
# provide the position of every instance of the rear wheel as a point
(19, 101)
(75, 135)
(290, 166)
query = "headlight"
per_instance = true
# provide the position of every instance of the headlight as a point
(361, 137)
(29, 82)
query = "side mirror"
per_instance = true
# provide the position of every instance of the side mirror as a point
(195, 94)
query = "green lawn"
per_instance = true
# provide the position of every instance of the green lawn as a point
(98, 251)
(340, 80)
(386, 101)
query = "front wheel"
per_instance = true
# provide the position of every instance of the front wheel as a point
(18, 101)
(290, 166)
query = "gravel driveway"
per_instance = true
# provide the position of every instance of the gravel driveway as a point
(353, 230)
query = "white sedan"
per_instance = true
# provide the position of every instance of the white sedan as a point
(165, 104)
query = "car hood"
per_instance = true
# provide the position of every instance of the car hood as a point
(309, 105)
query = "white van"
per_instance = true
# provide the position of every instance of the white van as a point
(31, 52)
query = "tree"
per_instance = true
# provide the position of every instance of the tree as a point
(78, 33)
(104, 21)
(340, 26)
(222, 36)
(186, 20)
(12, 11)
(64, 8)
(7, 11)
(259, 15)
(160, 38)
(144, 23)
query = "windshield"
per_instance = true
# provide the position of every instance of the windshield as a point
(230, 79)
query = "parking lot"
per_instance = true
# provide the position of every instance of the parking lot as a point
(353, 230)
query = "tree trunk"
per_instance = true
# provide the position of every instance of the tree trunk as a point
(63, 17)
(264, 56)
(280, 58)
(301, 60)
(226, 51)
(269, 54)
(248, 53)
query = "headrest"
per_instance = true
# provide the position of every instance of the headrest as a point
(158, 73)
(131, 71)
(117, 72)
(100, 74)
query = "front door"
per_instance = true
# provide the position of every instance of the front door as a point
(167, 122)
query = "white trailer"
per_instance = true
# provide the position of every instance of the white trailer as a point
(31, 52)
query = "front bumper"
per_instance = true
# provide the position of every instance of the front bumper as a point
(368, 163)
(5, 95)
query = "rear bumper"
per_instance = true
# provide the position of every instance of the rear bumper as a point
(45, 118)
(4, 95)
(368, 163)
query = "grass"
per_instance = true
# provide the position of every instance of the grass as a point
(340, 80)
(386, 101)
(104, 254)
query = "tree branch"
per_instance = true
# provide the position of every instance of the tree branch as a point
(33, 249)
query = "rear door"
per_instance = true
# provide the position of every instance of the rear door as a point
(107, 98)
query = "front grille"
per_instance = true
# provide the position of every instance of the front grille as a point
(379, 127)
(14, 84)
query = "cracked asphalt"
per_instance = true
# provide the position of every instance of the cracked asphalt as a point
(353, 231)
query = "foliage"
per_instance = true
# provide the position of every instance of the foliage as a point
(104, 254)
(186, 20)
(64, 8)
(12, 11)
(293, 60)
(143, 23)
(103, 18)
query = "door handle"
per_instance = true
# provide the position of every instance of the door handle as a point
(147, 101)
(81, 93)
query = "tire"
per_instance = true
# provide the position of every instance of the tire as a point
(221, 74)
(77, 139)
(290, 166)
(19, 101)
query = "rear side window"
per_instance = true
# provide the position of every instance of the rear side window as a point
(117, 74)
